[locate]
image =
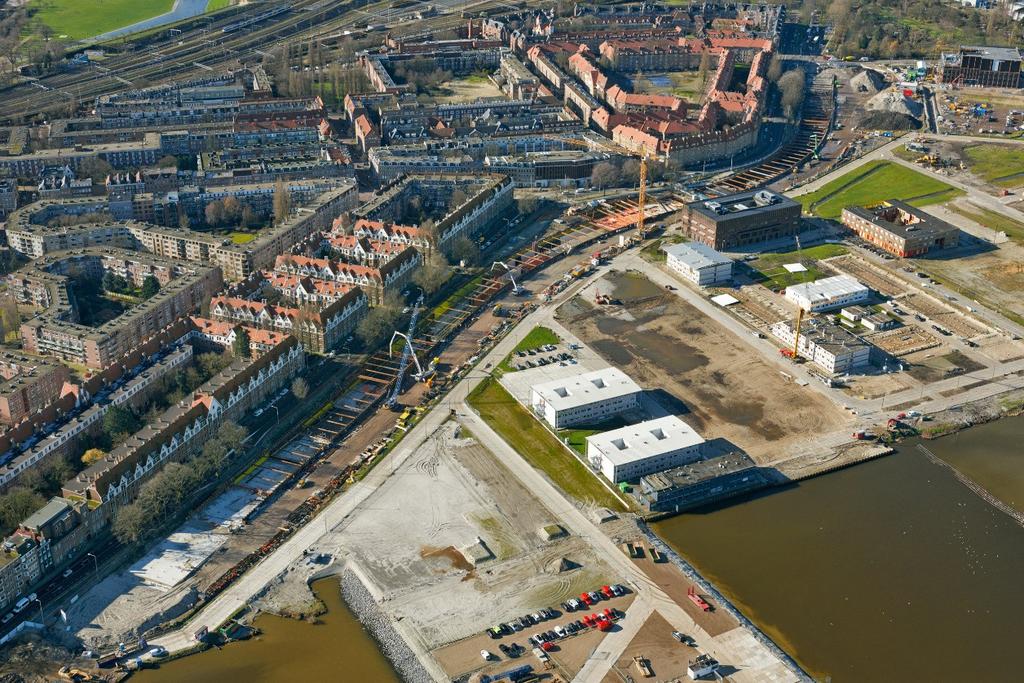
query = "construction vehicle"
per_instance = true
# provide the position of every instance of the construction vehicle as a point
(407, 351)
(422, 374)
(68, 673)
(794, 353)
(643, 666)
(697, 600)
(516, 289)
(930, 159)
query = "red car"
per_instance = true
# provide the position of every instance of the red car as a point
(607, 592)
(588, 620)
(609, 614)
(547, 646)
(587, 600)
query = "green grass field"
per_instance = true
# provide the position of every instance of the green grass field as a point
(537, 445)
(538, 336)
(1001, 165)
(215, 5)
(770, 266)
(86, 18)
(242, 237)
(875, 182)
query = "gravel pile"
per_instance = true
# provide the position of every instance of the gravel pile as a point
(895, 102)
(868, 81)
(362, 604)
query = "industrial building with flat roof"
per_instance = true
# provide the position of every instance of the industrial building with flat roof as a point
(900, 229)
(831, 347)
(701, 483)
(585, 399)
(698, 263)
(741, 219)
(629, 453)
(827, 293)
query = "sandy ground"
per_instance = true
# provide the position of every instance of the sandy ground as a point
(666, 656)
(698, 369)
(412, 545)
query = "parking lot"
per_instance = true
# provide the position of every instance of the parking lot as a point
(565, 653)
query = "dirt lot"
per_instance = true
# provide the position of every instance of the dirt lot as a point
(450, 496)
(671, 349)
(666, 656)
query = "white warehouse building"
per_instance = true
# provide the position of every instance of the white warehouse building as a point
(828, 293)
(635, 451)
(585, 399)
(698, 263)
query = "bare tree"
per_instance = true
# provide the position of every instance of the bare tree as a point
(282, 201)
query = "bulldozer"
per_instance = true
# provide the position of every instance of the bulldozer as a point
(70, 673)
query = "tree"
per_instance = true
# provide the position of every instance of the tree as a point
(282, 201)
(214, 213)
(183, 220)
(232, 210)
(150, 286)
(168, 161)
(527, 204)
(112, 282)
(465, 249)
(17, 504)
(240, 346)
(377, 325)
(300, 388)
(249, 217)
(433, 273)
(704, 69)
(119, 423)
(775, 69)
(459, 197)
(129, 522)
(791, 86)
(631, 171)
(605, 174)
(93, 455)
(95, 168)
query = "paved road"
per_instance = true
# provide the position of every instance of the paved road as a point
(183, 9)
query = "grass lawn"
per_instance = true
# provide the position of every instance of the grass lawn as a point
(771, 265)
(242, 237)
(875, 182)
(537, 445)
(652, 252)
(1001, 165)
(990, 219)
(215, 5)
(538, 336)
(577, 438)
(86, 18)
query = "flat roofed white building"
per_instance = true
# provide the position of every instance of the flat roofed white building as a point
(827, 293)
(698, 263)
(638, 450)
(585, 399)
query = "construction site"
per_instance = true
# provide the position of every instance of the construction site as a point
(723, 390)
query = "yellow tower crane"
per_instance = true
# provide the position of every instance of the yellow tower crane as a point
(796, 337)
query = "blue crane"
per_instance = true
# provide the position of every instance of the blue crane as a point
(407, 351)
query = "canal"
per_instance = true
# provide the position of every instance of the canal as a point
(890, 570)
(336, 649)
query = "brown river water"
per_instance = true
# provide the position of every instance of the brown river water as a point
(337, 649)
(890, 570)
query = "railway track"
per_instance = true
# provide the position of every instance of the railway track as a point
(206, 46)
(814, 126)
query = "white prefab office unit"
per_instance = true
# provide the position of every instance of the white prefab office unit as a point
(635, 451)
(698, 263)
(585, 399)
(827, 293)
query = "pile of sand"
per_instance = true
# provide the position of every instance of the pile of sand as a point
(868, 80)
(895, 102)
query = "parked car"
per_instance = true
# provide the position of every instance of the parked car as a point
(486, 655)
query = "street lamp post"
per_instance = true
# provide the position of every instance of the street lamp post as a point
(41, 621)
(95, 563)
